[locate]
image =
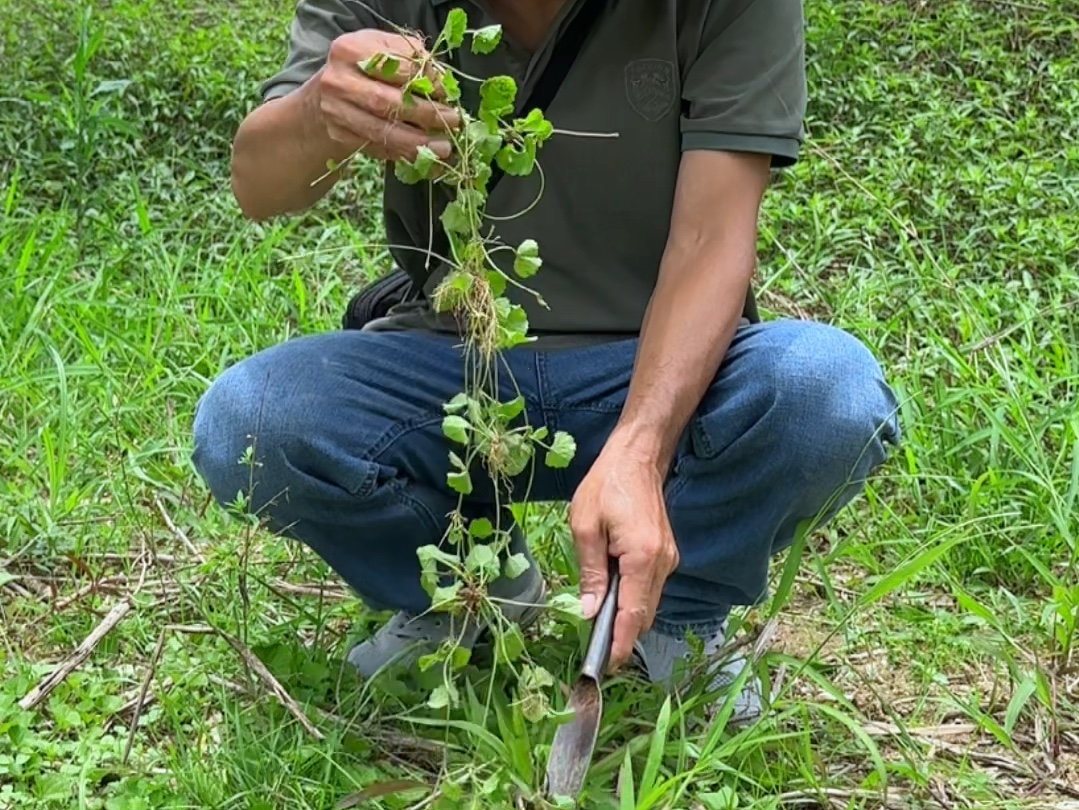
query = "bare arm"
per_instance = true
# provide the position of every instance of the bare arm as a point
(283, 146)
(619, 508)
(698, 302)
(279, 150)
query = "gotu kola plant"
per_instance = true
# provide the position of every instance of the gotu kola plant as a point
(486, 434)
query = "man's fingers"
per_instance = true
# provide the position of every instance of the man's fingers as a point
(592, 560)
(667, 560)
(378, 138)
(384, 101)
(633, 596)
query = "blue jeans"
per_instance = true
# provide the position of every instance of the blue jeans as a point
(351, 460)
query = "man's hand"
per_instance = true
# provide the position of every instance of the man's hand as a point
(619, 511)
(367, 112)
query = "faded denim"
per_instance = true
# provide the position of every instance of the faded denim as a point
(352, 461)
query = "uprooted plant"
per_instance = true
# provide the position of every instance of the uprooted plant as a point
(487, 433)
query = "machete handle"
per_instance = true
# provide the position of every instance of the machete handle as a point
(598, 654)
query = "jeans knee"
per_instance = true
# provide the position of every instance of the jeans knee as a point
(836, 406)
(262, 432)
(223, 428)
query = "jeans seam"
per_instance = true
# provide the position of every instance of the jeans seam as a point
(397, 431)
(417, 506)
(548, 413)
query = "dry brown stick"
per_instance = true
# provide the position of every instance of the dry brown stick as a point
(82, 652)
(843, 795)
(14, 586)
(177, 531)
(271, 682)
(322, 591)
(392, 739)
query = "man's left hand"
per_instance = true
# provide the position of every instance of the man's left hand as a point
(619, 511)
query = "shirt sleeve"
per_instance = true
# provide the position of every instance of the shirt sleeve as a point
(316, 24)
(746, 90)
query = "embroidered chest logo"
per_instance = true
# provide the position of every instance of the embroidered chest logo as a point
(650, 87)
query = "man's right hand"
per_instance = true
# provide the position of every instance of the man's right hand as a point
(367, 113)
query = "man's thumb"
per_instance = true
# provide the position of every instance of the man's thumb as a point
(593, 562)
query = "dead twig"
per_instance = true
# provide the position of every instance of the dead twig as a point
(280, 587)
(177, 531)
(141, 702)
(840, 797)
(272, 684)
(82, 652)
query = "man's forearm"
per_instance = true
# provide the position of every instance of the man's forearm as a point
(691, 321)
(697, 304)
(280, 149)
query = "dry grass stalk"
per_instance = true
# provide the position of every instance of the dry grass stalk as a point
(36, 695)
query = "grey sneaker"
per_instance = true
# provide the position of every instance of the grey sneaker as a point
(658, 655)
(406, 638)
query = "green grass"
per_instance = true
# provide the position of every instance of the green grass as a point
(924, 654)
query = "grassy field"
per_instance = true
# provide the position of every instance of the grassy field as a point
(923, 656)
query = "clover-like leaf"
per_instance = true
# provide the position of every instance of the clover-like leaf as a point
(382, 64)
(481, 528)
(413, 172)
(419, 85)
(516, 565)
(481, 559)
(536, 125)
(445, 596)
(453, 32)
(486, 39)
(518, 452)
(443, 696)
(458, 403)
(497, 282)
(512, 323)
(517, 159)
(534, 706)
(563, 448)
(535, 677)
(456, 428)
(459, 657)
(432, 555)
(460, 482)
(508, 411)
(456, 219)
(450, 86)
(527, 261)
(497, 96)
(566, 603)
(485, 142)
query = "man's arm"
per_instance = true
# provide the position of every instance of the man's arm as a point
(743, 98)
(697, 305)
(692, 317)
(321, 107)
(280, 148)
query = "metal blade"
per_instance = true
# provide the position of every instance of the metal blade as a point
(574, 742)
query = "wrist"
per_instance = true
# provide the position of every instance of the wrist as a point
(643, 443)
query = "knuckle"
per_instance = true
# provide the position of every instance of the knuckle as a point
(379, 102)
(344, 48)
(330, 82)
(385, 132)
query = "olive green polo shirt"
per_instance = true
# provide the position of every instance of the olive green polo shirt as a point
(660, 76)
